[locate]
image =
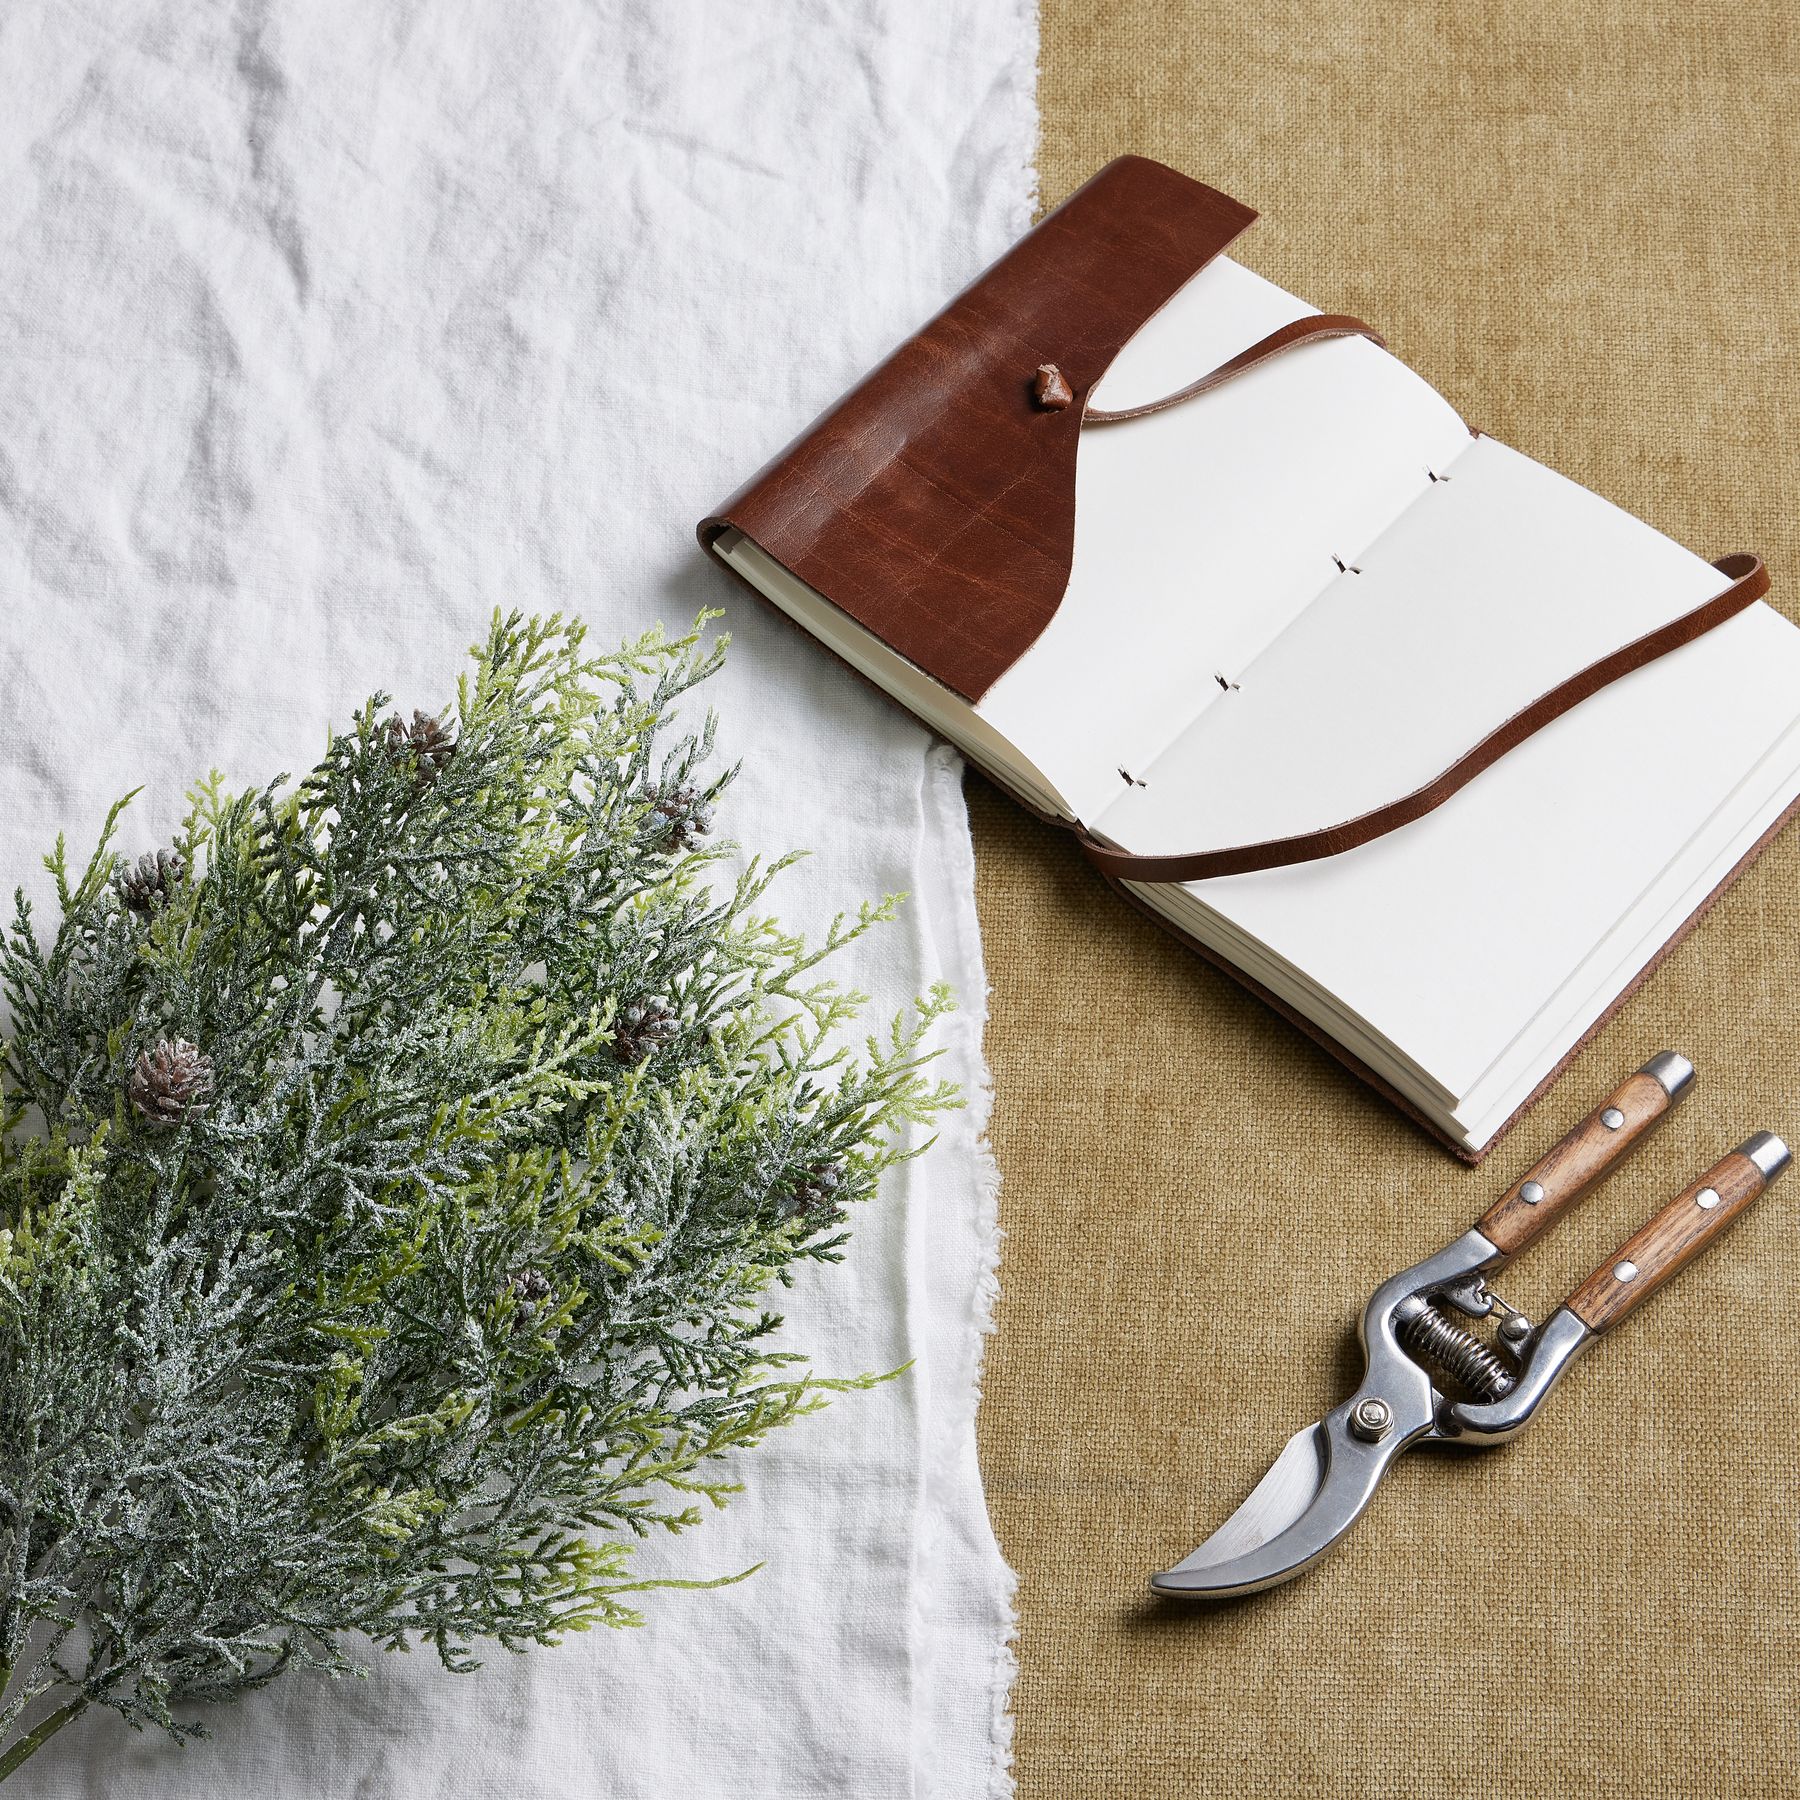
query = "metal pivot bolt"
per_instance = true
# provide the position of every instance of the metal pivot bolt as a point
(1372, 1420)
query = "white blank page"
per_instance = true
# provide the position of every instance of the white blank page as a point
(1490, 589)
(1658, 916)
(1451, 935)
(1201, 532)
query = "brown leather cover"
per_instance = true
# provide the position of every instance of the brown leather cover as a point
(935, 503)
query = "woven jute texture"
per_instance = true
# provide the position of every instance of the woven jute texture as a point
(1580, 221)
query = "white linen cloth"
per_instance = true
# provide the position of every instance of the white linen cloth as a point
(324, 329)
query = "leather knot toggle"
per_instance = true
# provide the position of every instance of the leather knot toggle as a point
(1049, 392)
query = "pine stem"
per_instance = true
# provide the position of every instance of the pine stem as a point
(39, 1735)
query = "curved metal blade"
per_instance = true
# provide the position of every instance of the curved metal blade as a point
(1284, 1493)
(1320, 1483)
(1314, 1492)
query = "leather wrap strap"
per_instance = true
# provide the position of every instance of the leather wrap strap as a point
(1299, 331)
(1749, 582)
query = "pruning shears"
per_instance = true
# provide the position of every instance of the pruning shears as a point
(1430, 1379)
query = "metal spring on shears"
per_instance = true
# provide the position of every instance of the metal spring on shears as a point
(1427, 1333)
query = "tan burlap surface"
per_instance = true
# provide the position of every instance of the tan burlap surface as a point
(1580, 220)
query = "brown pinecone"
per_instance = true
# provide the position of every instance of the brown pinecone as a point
(687, 810)
(817, 1190)
(151, 881)
(531, 1286)
(427, 741)
(171, 1081)
(640, 1027)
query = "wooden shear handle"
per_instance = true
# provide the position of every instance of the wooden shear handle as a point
(1568, 1170)
(1676, 1235)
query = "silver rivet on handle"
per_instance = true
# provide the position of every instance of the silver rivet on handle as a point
(1707, 1199)
(1532, 1192)
(1625, 1271)
(1612, 1118)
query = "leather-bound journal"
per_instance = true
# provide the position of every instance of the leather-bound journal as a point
(1435, 750)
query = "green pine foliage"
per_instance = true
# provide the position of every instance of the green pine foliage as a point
(395, 1176)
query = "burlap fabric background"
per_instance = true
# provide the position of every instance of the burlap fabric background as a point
(1579, 220)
